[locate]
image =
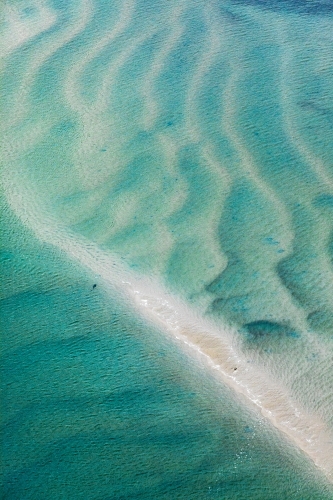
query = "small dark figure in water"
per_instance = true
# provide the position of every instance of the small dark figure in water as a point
(94, 286)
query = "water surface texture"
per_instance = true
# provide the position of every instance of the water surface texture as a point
(167, 255)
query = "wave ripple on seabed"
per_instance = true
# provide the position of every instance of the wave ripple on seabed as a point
(201, 145)
(204, 340)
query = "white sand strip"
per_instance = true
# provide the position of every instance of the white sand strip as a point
(215, 347)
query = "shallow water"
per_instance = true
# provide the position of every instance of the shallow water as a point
(193, 144)
(99, 405)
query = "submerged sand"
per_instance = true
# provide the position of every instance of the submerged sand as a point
(212, 345)
(216, 348)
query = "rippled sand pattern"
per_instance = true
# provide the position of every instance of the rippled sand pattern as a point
(190, 143)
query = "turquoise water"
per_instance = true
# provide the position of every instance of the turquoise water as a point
(99, 405)
(193, 143)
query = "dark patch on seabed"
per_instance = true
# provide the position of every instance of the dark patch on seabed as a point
(261, 329)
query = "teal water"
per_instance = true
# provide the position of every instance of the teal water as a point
(99, 405)
(192, 142)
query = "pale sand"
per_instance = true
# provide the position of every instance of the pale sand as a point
(19, 30)
(215, 347)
